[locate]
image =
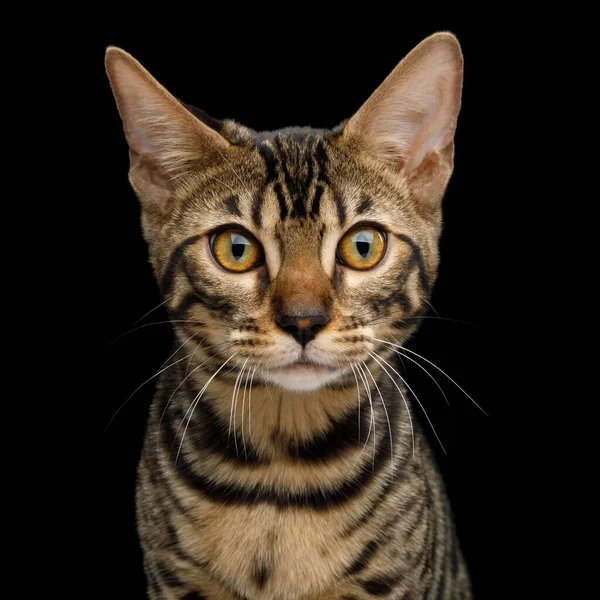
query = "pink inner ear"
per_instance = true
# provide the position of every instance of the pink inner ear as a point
(429, 179)
(151, 186)
(437, 136)
(139, 142)
(415, 109)
(133, 93)
(155, 122)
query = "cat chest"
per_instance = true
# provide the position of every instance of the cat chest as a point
(264, 551)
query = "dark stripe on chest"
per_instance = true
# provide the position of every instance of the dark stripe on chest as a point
(381, 585)
(159, 482)
(341, 435)
(261, 576)
(364, 518)
(209, 434)
(233, 494)
(363, 558)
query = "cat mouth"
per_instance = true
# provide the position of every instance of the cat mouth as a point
(304, 366)
(302, 375)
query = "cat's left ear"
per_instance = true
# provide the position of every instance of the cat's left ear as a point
(410, 120)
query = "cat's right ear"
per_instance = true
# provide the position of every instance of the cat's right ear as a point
(166, 141)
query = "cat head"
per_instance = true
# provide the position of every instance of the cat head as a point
(292, 252)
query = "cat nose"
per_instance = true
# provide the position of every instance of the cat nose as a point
(302, 328)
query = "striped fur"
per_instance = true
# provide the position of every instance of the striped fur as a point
(247, 489)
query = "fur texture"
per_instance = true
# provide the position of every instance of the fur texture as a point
(262, 477)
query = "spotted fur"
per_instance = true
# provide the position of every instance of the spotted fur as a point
(249, 489)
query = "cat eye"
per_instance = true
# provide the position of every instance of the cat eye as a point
(236, 250)
(362, 247)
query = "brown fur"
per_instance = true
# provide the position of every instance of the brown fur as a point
(247, 489)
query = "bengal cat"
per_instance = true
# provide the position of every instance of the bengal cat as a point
(281, 459)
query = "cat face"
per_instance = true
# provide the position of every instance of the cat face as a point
(289, 254)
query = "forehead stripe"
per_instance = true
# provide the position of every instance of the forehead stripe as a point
(341, 208)
(257, 203)
(232, 206)
(365, 204)
(270, 163)
(281, 157)
(283, 208)
(316, 203)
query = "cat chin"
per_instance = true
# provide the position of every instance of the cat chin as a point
(302, 381)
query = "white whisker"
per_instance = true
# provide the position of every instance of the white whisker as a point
(151, 311)
(415, 397)
(150, 325)
(179, 348)
(187, 376)
(232, 398)
(139, 387)
(238, 384)
(426, 371)
(266, 381)
(386, 416)
(358, 397)
(250, 406)
(436, 367)
(243, 409)
(431, 306)
(372, 420)
(199, 344)
(193, 405)
(412, 431)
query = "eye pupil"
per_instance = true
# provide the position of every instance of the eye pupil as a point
(363, 248)
(237, 250)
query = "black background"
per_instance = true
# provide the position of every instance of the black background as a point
(302, 72)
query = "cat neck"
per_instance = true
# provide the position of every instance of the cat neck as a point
(252, 419)
(272, 417)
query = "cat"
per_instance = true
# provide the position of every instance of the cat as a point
(281, 458)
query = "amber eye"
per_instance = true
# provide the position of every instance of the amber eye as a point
(361, 248)
(236, 250)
